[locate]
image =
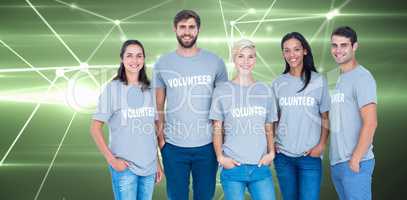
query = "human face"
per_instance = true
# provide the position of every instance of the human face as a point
(245, 60)
(133, 59)
(187, 32)
(342, 49)
(294, 52)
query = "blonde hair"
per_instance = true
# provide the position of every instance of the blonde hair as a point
(241, 44)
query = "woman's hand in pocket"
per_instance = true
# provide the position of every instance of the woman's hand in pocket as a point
(119, 164)
(316, 151)
(267, 159)
(227, 162)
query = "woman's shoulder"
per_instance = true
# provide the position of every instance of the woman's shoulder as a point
(224, 87)
(112, 84)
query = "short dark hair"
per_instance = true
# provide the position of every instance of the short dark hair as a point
(186, 14)
(347, 32)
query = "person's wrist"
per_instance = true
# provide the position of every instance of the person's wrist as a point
(355, 158)
(110, 160)
(271, 151)
(161, 141)
(220, 159)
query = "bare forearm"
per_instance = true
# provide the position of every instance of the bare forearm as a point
(97, 135)
(270, 137)
(160, 102)
(365, 140)
(217, 139)
(159, 124)
(369, 124)
(324, 129)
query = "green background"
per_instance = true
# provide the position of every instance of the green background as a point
(55, 159)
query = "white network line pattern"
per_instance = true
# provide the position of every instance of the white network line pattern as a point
(54, 157)
(81, 66)
(117, 24)
(264, 16)
(26, 124)
(25, 61)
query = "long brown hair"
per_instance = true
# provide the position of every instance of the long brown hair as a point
(121, 72)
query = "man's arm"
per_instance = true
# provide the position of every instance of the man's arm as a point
(369, 124)
(160, 102)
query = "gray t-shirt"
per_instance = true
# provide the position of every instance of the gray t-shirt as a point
(189, 84)
(130, 114)
(299, 126)
(244, 111)
(354, 89)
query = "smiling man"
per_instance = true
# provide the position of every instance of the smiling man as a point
(353, 120)
(184, 80)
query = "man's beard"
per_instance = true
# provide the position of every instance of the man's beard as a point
(186, 45)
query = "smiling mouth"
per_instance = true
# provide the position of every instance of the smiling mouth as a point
(245, 67)
(339, 56)
(134, 66)
(187, 37)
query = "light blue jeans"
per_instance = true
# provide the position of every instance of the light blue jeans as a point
(258, 180)
(351, 185)
(129, 186)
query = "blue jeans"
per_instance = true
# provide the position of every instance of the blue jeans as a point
(258, 180)
(299, 177)
(129, 186)
(351, 185)
(180, 162)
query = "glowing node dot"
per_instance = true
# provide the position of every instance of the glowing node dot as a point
(84, 67)
(117, 22)
(252, 11)
(59, 72)
(331, 14)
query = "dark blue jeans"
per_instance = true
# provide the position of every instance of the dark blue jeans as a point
(299, 177)
(180, 162)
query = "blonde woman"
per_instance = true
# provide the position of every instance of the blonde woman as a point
(243, 111)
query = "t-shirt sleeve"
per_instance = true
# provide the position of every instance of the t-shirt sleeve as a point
(216, 111)
(325, 98)
(221, 74)
(104, 109)
(275, 96)
(271, 108)
(365, 91)
(158, 81)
